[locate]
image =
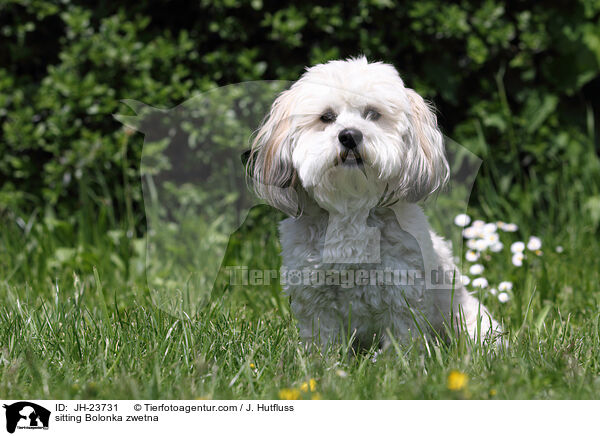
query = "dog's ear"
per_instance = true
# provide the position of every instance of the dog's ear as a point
(428, 167)
(269, 165)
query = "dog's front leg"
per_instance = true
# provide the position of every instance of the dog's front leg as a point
(320, 331)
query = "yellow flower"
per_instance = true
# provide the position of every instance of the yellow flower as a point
(252, 366)
(312, 384)
(289, 394)
(493, 392)
(457, 380)
(316, 396)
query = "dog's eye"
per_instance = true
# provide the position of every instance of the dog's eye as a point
(371, 114)
(328, 117)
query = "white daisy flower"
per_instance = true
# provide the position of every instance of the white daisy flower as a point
(503, 297)
(470, 232)
(517, 259)
(480, 282)
(497, 247)
(534, 243)
(478, 223)
(490, 228)
(491, 238)
(505, 286)
(517, 247)
(509, 227)
(559, 249)
(465, 280)
(476, 269)
(462, 220)
(472, 256)
(493, 291)
(481, 245)
(471, 243)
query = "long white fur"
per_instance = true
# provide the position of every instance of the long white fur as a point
(334, 208)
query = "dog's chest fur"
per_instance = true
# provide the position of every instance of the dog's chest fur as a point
(367, 308)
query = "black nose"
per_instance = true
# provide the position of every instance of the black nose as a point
(350, 138)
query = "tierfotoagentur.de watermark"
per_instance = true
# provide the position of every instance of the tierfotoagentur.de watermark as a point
(345, 278)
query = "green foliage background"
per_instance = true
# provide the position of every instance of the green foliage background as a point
(518, 83)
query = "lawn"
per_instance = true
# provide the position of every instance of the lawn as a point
(78, 320)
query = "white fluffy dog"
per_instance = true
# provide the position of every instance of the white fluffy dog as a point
(347, 152)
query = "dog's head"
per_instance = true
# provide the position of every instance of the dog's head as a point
(345, 131)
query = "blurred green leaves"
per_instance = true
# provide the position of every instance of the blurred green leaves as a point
(514, 82)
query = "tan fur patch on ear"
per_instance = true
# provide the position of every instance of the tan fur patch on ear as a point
(268, 144)
(424, 121)
(271, 169)
(430, 142)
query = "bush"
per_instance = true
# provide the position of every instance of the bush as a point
(516, 83)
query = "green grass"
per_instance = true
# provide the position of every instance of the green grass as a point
(77, 319)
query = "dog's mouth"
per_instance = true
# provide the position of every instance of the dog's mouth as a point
(349, 158)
